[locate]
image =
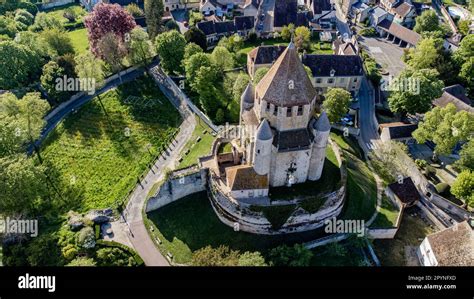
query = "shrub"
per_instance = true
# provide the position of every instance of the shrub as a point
(220, 256)
(368, 32)
(69, 252)
(86, 238)
(134, 10)
(114, 256)
(82, 262)
(295, 256)
(421, 163)
(442, 188)
(136, 257)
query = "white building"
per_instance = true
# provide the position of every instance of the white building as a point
(453, 246)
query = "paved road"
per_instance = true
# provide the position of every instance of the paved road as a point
(79, 102)
(368, 128)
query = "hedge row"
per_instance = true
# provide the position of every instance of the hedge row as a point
(132, 252)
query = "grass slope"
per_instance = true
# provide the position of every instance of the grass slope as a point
(91, 149)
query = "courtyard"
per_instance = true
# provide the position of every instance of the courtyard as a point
(385, 53)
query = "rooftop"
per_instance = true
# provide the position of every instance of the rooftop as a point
(405, 191)
(343, 65)
(453, 246)
(244, 177)
(400, 32)
(399, 130)
(266, 54)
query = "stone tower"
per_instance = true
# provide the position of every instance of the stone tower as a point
(321, 129)
(263, 149)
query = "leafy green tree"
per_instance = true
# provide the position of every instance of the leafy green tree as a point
(428, 21)
(20, 65)
(88, 67)
(114, 257)
(336, 103)
(32, 41)
(239, 86)
(45, 21)
(190, 50)
(172, 25)
(23, 18)
(113, 51)
(51, 72)
(134, 10)
(252, 259)
(296, 256)
(23, 186)
(192, 66)
(86, 238)
(466, 160)
(423, 86)
(195, 35)
(463, 187)
(220, 256)
(463, 26)
(170, 46)
(232, 43)
(467, 74)
(287, 32)
(43, 251)
(154, 13)
(8, 26)
(140, 49)
(23, 121)
(222, 59)
(57, 41)
(259, 74)
(445, 127)
(204, 85)
(302, 38)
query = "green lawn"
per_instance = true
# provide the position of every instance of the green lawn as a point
(225, 148)
(59, 11)
(79, 40)
(103, 154)
(412, 231)
(197, 149)
(189, 224)
(387, 215)
(361, 187)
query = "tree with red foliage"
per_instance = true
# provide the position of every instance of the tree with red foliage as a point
(107, 18)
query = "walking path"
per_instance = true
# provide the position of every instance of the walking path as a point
(132, 217)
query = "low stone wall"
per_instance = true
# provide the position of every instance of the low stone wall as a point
(180, 184)
(445, 204)
(53, 4)
(242, 217)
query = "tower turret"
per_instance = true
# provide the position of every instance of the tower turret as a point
(263, 148)
(321, 129)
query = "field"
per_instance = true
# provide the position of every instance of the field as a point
(387, 216)
(103, 153)
(197, 149)
(79, 40)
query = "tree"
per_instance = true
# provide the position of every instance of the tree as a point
(467, 74)
(336, 103)
(154, 13)
(251, 259)
(57, 41)
(23, 186)
(463, 26)
(414, 91)
(23, 119)
(51, 72)
(134, 10)
(20, 65)
(193, 64)
(104, 19)
(204, 86)
(466, 160)
(113, 51)
(24, 18)
(8, 26)
(426, 54)
(170, 46)
(463, 187)
(302, 38)
(259, 74)
(296, 256)
(172, 25)
(220, 256)
(239, 86)
(45, 21)
(427, 22)
(114, 257)
(190, 50)
(287, 32)
(195, 35)
(222, 59)
(445, 127)
(88, 67)
(232, 43)
(140, 48)
(86, 238)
